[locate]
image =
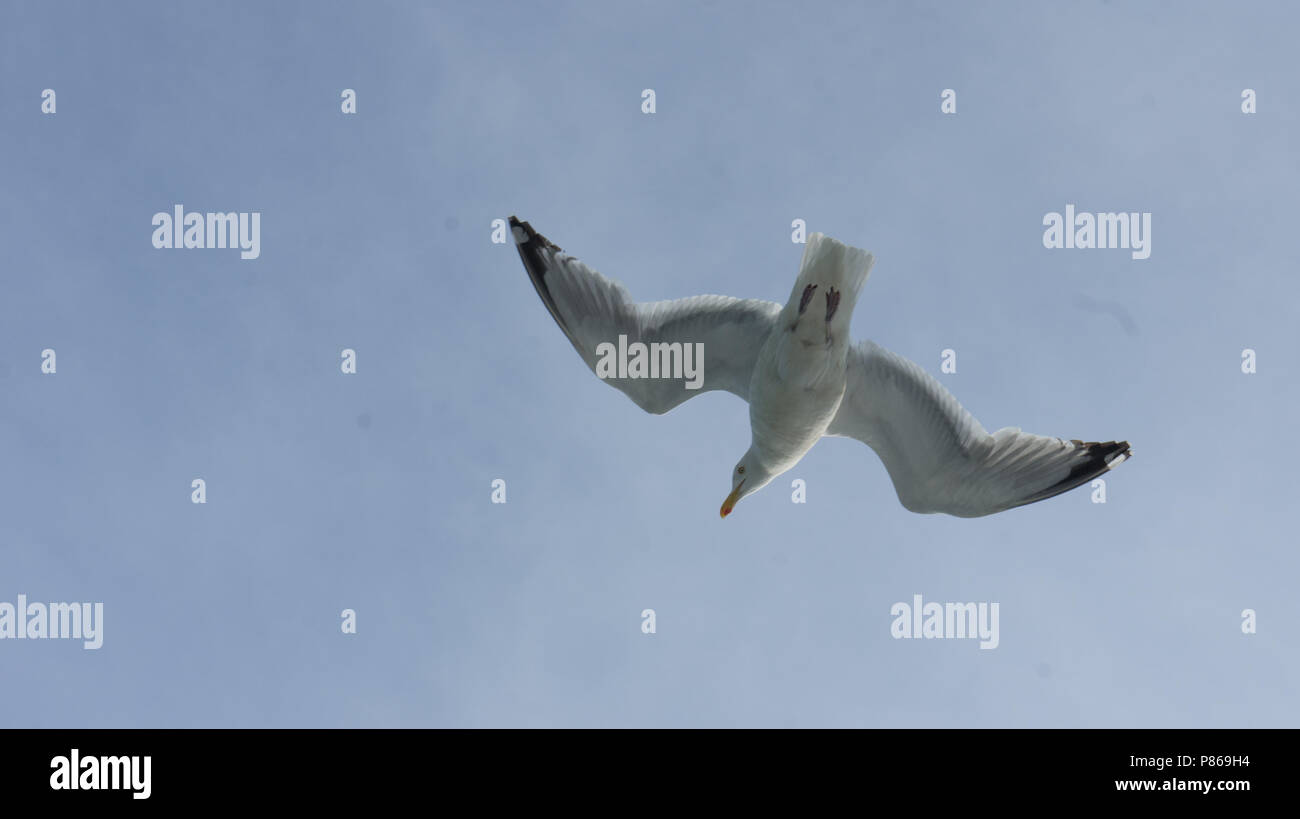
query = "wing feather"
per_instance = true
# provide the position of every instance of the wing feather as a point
(592, 310)
(940, 458)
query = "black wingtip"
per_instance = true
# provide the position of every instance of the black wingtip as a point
(531, 245)
(1111, 453)
(525, 236)
(1098, 458)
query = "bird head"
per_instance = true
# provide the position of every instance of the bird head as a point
(748, 477)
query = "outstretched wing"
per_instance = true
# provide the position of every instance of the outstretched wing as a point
(592, 310)
(940, 458)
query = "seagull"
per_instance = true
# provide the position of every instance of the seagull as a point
(805, 380)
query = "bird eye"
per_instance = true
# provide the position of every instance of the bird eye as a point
(740, 470)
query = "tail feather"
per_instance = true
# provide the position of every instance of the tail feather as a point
(829, 263)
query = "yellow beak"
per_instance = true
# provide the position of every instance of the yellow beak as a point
(730, 502)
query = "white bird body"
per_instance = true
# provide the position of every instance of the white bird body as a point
(799, 378)
(787, 419)
(804, 381)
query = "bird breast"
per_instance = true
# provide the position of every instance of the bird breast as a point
(790, 407)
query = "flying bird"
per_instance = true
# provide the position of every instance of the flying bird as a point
(804, 379)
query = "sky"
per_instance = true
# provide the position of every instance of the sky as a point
(372, 491)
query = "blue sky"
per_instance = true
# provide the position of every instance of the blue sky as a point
(372, 491)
